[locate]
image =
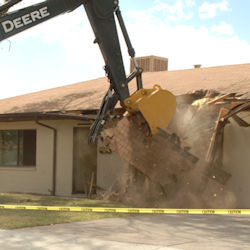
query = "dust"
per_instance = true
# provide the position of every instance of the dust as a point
(194, 190)
(164, 172)
(194, 121)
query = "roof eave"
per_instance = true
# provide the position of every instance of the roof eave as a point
(32, 116)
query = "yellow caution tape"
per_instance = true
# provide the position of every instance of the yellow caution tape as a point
(128, 210)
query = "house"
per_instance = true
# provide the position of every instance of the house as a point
(43, 135)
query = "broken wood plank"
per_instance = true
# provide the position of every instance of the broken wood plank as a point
(236, 109)
(213, 143)
(240, 121)
(218, 99)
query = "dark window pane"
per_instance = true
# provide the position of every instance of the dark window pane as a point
(20, 147)
(29, 147)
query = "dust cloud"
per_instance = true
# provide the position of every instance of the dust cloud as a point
(161, 176)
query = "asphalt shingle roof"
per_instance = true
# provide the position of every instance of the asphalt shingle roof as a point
(88, 95)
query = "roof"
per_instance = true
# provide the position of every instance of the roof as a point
(88, 95)
(31, 116)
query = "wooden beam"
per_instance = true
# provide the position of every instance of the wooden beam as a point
(218, 99)
(240, 121)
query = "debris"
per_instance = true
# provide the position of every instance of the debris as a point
(181, 166)
(91, 184)
(150, 155)
(220, 98)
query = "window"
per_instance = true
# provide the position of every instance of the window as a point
(17, 147)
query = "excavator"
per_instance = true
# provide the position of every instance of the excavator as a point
(156, 105)
(139, 136)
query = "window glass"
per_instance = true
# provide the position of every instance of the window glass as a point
(9, 148)
(17, 147)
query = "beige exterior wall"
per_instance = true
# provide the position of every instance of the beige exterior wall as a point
(236, 159)
(84, 162)
(38, 179)
(109, 168)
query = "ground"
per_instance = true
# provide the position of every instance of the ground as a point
(148, 232)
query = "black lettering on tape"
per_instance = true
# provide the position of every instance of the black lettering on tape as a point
(134, 210)
(20, 207)
(110, 210)
(86, 209)
(234, 211)
(64, 209)
(42, 208)
(182, 211)
(158, 211)
(208, 211)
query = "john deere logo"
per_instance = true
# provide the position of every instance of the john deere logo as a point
(26, 19)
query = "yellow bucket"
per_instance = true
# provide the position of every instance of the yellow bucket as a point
(156, 105)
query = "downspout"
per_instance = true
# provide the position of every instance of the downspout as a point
(53, 191)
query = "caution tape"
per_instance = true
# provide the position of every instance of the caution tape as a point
(128, 210)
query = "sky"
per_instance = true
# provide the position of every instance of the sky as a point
(61, 51)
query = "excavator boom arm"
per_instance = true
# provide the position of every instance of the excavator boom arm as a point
(101, 15)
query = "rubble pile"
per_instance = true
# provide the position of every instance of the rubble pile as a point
(171, 169)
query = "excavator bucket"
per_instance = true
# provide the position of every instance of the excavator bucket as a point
(156, 105)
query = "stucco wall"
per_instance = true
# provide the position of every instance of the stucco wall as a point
(236, 159)
(64, 157)
(38, 179)
(84, 162)
(109, 168)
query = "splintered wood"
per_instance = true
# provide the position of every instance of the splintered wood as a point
(159, 157)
